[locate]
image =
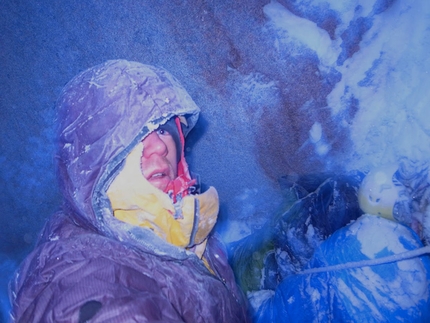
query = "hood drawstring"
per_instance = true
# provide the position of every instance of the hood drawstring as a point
(183, 184)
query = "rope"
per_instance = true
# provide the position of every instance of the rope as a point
(371, 262)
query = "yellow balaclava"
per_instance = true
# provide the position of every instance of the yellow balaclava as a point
(185, 223)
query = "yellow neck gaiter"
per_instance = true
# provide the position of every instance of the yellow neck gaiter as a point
(134, 200)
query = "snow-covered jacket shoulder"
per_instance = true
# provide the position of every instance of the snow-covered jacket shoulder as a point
(75, 275)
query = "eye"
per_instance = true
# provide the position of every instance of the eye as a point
(161, 132)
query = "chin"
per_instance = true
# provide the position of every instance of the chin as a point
(161, 184)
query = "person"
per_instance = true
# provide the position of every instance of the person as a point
(134, 240)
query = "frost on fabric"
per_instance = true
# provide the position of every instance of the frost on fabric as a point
(396, 290)
(374, 237)
(379, 238)
(395, 286)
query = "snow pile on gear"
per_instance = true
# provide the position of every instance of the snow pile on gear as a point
(351, 247)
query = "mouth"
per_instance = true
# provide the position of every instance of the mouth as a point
(159, 178)
(158, 172)
(157, 175)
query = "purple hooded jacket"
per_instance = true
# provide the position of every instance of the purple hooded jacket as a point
(90, 267)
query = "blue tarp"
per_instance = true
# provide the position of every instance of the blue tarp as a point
(392, 292)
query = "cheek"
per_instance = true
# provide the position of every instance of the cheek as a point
(171, 151)
(142, 164)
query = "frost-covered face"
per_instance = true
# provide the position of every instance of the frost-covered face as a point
(159, 158)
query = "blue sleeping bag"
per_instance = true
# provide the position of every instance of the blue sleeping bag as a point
(397, 291)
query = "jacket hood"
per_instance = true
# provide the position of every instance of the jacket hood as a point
(104, 112)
